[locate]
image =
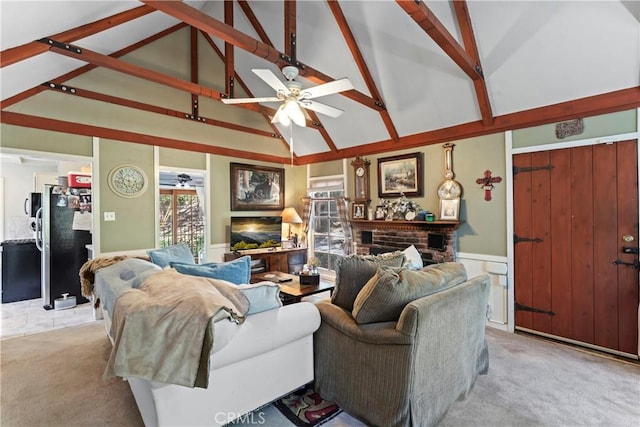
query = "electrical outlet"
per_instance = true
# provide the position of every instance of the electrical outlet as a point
(109, 216)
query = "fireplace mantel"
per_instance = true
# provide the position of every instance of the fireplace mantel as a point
(405, 225)
(400, 234)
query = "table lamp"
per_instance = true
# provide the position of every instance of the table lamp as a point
(290, 216)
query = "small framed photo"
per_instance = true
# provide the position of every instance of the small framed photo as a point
(358, 211)
(288, 244)
(380, 213)
(450, 209)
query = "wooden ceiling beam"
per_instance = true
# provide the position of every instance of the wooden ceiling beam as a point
(208, 24)
(229, 58)
(470, 45)
(611, 102)
(28, 50)
(194, 68)
(290, 34)
(425, 18)
(55, 125)
(361, 63)
(88, 67)
(315, 122)
(123, 102)
(254, 22)
(95, 58)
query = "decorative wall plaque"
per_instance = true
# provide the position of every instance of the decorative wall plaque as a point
(569, 128)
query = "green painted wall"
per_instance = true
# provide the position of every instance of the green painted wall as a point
(182, 159)
(294, 189)
(22, 138)
(479, 232)
(134, 227)
(594, 127)
(326, 168)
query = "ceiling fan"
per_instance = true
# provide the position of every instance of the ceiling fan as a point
(295, 97)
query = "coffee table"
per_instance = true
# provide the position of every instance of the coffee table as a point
(291, 291)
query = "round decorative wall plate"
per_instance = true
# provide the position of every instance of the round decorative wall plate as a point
(128, 181)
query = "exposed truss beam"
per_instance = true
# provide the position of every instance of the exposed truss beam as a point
(254, 22)
(86, 68)
(123, 102)
(137, 71)
(423, 16)
(469, 40)
(361, 63)
(36, 122)
(290, 33)
(194, 69)
(611, 102)
(19, 53)
(229, 34)
(229, 58)
(288, 28)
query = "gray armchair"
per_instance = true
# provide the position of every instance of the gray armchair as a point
(409, 370)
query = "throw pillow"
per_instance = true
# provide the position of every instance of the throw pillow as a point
(386, 294)
(236, 271)
(413, 259)
(177, 253)
(353, 272)
(262, 296)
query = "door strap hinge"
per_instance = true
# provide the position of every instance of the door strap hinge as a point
(520, 307)
(518, 239)
(519, 169)
(635, 264)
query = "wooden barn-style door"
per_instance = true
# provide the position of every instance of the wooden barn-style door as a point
(575, 244)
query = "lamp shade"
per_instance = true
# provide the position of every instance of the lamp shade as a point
(290, 216)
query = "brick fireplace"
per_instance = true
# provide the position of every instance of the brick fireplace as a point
(435, 240)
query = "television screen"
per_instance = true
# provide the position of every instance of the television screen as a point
(255, 232)
(436, 241)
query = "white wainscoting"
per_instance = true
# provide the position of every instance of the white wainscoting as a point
(215, 253)
(496, 268)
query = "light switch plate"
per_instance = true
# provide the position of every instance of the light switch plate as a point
(109, 216)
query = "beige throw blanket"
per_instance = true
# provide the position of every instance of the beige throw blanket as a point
(164, 330)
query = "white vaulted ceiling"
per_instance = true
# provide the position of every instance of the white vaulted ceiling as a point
(533, 54)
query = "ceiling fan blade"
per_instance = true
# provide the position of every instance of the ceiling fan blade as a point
(271, 79)
(326, 89)
(325, 109)
(248, 100)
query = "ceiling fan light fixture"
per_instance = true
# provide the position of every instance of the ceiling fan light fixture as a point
(294, 112)
(281, 116)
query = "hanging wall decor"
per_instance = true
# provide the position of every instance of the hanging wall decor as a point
(486, 183)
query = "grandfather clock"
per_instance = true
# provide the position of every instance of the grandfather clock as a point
(361, 179)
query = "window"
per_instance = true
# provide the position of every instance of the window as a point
(326, 235)
(181, 220)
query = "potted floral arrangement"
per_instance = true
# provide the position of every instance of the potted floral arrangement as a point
(401, 208)
(311, 276)
(313, 264)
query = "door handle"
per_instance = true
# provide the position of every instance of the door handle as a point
(635, 264)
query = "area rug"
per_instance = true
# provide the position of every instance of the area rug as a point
(305, 408)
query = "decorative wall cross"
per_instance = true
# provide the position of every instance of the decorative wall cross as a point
(487, 183)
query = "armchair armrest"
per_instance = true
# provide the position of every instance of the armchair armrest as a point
(372, 333)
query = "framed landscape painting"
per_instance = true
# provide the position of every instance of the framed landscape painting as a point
(256, 188)
(400, 174)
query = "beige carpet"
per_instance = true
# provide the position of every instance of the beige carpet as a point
(55, 379)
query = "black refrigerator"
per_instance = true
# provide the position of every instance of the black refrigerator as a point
(62, 234)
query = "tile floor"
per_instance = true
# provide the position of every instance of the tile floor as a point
(28, 317)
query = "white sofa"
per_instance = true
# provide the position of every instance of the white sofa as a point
(251, 364)
(270, 355)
